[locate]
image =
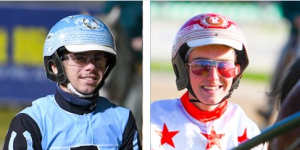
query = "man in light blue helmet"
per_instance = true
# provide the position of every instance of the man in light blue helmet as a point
(79, 53)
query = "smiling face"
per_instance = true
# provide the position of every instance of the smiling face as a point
(84, 70)
(211, 87)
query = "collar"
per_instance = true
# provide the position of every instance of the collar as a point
(202, 115)
(73, 98)
(73, 103)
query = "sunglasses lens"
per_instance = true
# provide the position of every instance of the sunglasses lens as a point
(199, 70)
(226, 69)
(202, 67)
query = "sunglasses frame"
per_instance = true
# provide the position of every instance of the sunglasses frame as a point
(213, 63)
(98, 62)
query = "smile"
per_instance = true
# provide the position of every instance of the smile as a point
(211, 88)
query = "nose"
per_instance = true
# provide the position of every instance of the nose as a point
(90, 65)
(213, 74)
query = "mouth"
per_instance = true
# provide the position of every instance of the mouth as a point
(90, 79)
(211, 88)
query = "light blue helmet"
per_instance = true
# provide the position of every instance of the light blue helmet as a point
(77, 33)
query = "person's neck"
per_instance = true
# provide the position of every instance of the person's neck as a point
(205, 107)
(72, 98)
(65, 89)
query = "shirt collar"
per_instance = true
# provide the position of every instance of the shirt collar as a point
(202, 115)
(73, 103)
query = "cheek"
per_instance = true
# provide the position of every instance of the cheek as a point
(194, 79)
(227, 82)
(71, 73)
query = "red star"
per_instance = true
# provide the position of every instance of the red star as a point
(243, 137)
(213, 139)
(166, 136)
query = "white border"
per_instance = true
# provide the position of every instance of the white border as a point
(146, 75)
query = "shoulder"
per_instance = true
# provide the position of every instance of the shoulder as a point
(40, 108)
(40, 102)
(106, 105)
(165, 108)
(166, 103)
(116, 116)
(237, 110)
(22, 122)
(39, 105)
(23, 128)
(244, 121)
(107, 108)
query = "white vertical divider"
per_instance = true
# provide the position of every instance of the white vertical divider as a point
(146, 75)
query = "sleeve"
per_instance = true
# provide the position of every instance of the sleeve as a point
(23, 133)
(130, 135)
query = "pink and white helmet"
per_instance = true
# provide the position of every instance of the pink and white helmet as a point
(206, 29)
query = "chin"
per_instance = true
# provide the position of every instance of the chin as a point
(212, 100)
(87, 91)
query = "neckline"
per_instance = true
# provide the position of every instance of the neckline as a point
(202, 115)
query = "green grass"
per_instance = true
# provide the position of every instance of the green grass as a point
(161, 67)
(254, 76)
(6, 115)
(257, 77)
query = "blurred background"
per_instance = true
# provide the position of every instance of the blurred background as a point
(23, 28)
(271, 34)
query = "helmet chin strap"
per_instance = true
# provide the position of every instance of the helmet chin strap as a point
(198, 101)
(73, 90)
(234, 86)
(189, 88)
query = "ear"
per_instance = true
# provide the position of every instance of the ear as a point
(237, 69)
(54, 68)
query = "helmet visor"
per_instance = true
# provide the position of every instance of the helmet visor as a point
(89, 47)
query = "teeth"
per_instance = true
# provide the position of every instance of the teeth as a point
(89, 78)
(211, 87)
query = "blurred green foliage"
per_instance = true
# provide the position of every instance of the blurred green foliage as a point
(6, 115)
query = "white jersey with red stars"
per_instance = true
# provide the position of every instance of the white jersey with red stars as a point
(178, 124)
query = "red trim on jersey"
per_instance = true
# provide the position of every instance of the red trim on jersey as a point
(202, 115)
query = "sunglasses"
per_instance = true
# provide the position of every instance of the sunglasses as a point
(202, 67)
(78, 59)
